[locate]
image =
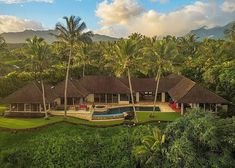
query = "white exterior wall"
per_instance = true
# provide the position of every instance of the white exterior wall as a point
(123, 102)
(90, 98)
(137, 96)
(163, 97)
(58, 101)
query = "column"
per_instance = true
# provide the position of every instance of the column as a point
(204, 107)
(106, 97)
(137, 96)
(163, 97)
(24, 108)
(119, 98)
(182, 109)
(177, 105)
(216, 108)
(40, 108)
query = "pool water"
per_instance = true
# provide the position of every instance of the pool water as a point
(121, 110)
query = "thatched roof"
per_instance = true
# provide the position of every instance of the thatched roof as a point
(103, 84)
(31, 93)
(187, 91)
(74, 89)
(149, 84)
(181, 88)
(198, 94)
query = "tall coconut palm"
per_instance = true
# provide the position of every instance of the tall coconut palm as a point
(83, 55)
(37, 52)
(71, 33)
(124, 56)
(151, 151)
(161, 53)
(2, 43)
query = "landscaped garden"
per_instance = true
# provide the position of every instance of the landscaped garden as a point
(2, 108)
(23, 123)
(206, 138)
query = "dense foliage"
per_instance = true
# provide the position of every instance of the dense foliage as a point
(197, 140)
(209, 62)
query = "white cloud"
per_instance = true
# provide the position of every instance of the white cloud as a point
(228, 6)
(160, 1)
(151, 22)
(24, 1)
(14, 24)
(118, 11)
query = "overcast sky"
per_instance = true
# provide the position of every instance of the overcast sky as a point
(118, 18)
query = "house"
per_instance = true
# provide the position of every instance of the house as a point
(110, 90)
(29, 98)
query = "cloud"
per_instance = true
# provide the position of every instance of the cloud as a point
(24, 1)
(151, 22)
(228, 6)
(160, 1)
(14, 24)
(118, 11)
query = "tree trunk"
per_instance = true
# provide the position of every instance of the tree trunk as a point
(66, 83)
(83, 70)
(132, 97)
(156, 90)
(44, 99)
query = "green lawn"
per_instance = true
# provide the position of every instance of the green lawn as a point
(157, 116)
(22, 123)
(93, 123)
(2, 108)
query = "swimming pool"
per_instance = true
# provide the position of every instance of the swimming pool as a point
(118, 111)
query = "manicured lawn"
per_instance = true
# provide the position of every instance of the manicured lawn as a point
(21, 123)
(157, 116)
(93, 123)
(2, 108)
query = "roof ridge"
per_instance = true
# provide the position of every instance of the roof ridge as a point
(40, 89)
(207, 90)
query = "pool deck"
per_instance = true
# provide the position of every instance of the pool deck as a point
(87, 115)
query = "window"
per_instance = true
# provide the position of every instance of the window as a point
(124, 97)
(115, 98)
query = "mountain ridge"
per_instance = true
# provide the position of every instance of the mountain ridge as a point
(20, 37)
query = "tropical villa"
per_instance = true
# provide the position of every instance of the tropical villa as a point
(175, 91)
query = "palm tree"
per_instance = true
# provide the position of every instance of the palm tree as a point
(151, 151)
(72, 33)
(123, 56)
(2, 43)
(37, 52)
(84, 52)
(161, 54)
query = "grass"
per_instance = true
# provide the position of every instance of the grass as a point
(93, 123)
(22, 123)
(157, 116)
(2, 108)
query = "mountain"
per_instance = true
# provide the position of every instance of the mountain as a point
(19, 37)
(214, 33)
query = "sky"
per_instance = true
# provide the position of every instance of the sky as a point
(118, 18)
